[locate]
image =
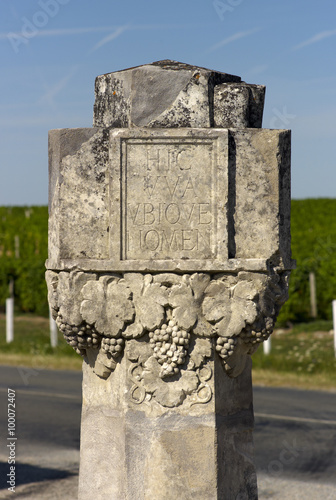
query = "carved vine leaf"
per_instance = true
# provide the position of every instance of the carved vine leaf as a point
(150, 305)
(245, 290)
(168, 394)
(135, 282)
(185, 308)
(199, 282)
(138, 351)
(242, 312)
(133, 331)
(107, 304)
(230, 309)
(203, 328)
(149, 300)
(69, 290)
(202, 350)
(216, 304)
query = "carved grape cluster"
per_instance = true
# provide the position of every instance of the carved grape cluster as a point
(225, 346)
(258, 335)
(79, 337)
(170, 344)
(113, 346)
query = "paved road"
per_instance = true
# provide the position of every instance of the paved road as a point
(295, 431)
(48, 406)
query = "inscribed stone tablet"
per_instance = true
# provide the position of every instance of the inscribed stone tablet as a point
(169, 190)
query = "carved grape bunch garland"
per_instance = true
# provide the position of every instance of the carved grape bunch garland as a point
(104, 311)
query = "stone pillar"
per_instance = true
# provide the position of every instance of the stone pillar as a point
(169, 256)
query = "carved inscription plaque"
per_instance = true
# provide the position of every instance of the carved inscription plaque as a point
(169, 191)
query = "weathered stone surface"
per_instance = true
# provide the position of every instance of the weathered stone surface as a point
(262, 195)
(169, 257)
(183, 201)
(238, 105)
(201, 449)
(172, 94)
(78, 194)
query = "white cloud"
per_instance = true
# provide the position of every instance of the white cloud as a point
(316, 38)
(232, 38)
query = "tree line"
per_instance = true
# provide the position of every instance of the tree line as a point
(24, 249)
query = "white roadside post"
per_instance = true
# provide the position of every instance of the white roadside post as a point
(267, 346)
(334, 320)
(10, 313)
(53, 331)
(9, 320)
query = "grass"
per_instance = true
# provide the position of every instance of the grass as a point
(31, 346)
(302, 356)
(272, 378)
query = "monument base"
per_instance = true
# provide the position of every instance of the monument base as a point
(148, 439)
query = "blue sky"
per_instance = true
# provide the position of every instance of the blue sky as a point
(52, 50)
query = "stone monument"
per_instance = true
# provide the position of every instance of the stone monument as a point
(169, 257)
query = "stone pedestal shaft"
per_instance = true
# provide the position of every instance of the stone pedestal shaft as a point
(200, 449)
